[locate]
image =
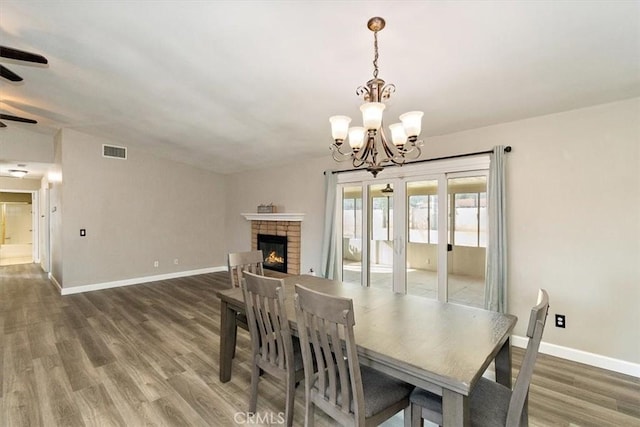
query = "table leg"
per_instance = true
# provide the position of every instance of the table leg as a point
(455, 409)
(227, 340)
(503, 365)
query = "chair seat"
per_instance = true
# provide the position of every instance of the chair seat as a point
(488, 403)
(298, 363)
(381, 391)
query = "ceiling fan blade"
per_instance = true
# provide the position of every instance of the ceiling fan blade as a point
(2, 125)
(9, 75)
(17, 119)
(21, 55)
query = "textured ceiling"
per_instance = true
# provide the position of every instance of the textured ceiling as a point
(237, 85)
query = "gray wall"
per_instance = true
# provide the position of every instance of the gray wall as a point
(22, 145)
(135, 211)
(55, 215)
(295, 188)
(573, 217)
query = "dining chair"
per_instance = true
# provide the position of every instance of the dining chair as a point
(272, 347)
(492, 404)
(237, 262)
(351, 394)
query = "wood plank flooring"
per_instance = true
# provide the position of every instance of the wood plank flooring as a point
(148, 355)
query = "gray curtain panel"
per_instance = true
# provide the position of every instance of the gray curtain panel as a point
(329, 253)
(495, 291)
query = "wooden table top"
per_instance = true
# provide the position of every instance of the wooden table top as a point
(431, 344)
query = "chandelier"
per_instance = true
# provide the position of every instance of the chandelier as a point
(369, 145)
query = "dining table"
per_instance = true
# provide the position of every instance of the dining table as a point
(441, 347)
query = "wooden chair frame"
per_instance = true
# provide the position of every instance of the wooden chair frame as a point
(271, 341)
(516, 411)
(333, 379)
(237, 262)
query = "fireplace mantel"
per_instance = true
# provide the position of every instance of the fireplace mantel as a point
(273, 216)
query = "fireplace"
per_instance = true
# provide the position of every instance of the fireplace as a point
(274, 250)
(287, 225)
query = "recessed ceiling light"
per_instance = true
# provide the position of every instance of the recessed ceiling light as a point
(18, 173)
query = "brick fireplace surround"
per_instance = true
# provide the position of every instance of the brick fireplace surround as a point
(281, 224)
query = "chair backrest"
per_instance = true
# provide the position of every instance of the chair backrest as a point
(537, 320)
(240, 261)
(268, 322)
(324, 321)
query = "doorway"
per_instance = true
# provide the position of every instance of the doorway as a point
(16, 228)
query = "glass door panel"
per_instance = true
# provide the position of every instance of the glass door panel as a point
(423, 234)
(381, 237)
(352, 235)
(467, 234)
(422, 238)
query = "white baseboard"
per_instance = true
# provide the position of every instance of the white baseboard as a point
(135, 280)
(592, 359)
(55, 282)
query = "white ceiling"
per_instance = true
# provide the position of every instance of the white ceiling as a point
(236, 85)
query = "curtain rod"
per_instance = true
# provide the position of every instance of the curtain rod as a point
(507, 149)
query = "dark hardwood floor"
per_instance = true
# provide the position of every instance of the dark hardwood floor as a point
(148, 355)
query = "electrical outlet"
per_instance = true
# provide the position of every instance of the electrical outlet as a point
(175, 261)
(156, 263)
(560, 321)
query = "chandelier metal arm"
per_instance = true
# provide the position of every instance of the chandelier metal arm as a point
(369, 150)
(338, 154)
(386, 91)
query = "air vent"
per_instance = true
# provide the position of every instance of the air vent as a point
(114, 151)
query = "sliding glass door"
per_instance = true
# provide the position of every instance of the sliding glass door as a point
(421, 234)
(381, 235)
(351, 203)
(467, 235)
(422, 238)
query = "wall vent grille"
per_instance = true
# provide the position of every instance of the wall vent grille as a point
(114, 152)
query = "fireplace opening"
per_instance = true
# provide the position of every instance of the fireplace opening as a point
(274, 251)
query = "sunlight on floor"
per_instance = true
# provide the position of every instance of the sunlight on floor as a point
(465, 290)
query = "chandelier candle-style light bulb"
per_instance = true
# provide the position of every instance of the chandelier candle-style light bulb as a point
(412, 122)
(356, 138)
(339, 128)
(372, 115)
(369, 144)
(398, 134)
